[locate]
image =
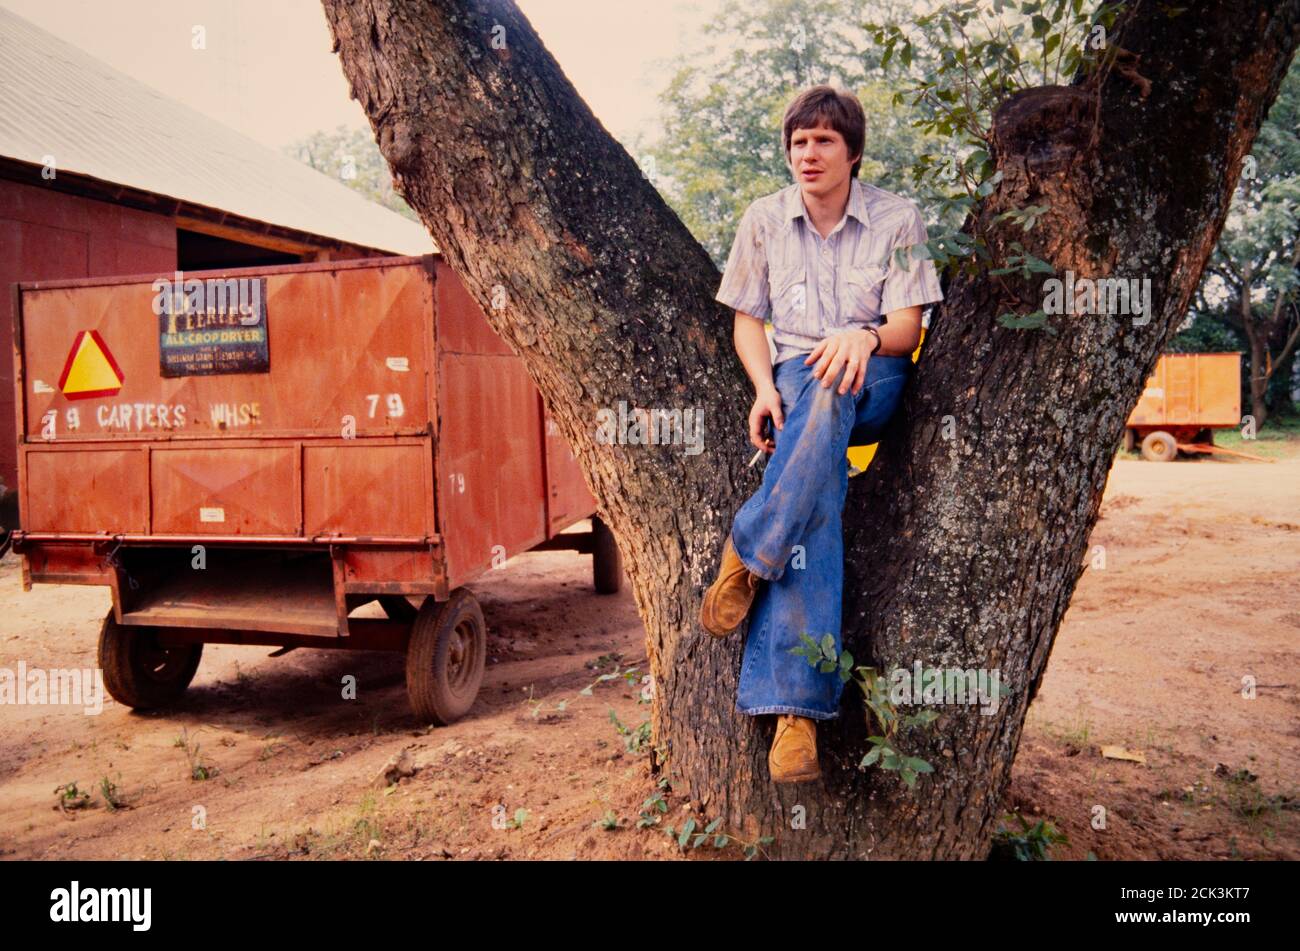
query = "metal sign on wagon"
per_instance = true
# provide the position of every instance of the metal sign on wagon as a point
(212, 326)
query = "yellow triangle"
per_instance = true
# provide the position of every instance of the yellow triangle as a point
(90, 370)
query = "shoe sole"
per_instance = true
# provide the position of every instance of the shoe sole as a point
(803, 777)
(705, 614)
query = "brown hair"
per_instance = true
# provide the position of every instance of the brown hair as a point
(834, 107)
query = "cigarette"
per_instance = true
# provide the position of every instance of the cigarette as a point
(758, 455)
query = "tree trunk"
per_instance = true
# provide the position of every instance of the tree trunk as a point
(960, 552)
(1257, 341)
(1282, 340)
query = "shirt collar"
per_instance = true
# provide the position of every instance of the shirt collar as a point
(857, 207)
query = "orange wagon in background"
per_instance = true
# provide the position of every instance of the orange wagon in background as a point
(1188, 396)
(247, 456)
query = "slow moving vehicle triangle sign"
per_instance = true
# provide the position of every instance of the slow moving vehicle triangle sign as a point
(91, 370)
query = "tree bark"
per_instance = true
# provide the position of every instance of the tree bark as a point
(960, 552)
(1257, 341)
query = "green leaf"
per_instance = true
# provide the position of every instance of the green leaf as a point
(1036, 320)
(828, 645)
(1038, 265)
(872, 755)
(685, 835)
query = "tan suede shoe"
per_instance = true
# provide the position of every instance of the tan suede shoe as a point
(793, 758)
(728, 599)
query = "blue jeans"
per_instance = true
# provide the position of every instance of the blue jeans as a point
(788, 532)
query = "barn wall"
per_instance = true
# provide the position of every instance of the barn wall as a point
(48, 235)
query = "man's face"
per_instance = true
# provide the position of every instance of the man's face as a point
(820, 160)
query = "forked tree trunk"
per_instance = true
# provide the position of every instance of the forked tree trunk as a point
(961, 552)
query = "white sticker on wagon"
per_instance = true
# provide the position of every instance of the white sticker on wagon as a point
(400, 364)
(212, 514)
(40, 386)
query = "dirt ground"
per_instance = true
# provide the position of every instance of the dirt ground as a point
(1197, 590)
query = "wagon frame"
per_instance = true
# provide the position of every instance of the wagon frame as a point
(178, 583)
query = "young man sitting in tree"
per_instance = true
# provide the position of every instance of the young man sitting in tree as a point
(817, 257)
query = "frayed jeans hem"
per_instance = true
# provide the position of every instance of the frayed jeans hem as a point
(796, 711)
(766, 573)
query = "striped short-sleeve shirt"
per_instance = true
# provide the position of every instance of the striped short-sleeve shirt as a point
(810, 286)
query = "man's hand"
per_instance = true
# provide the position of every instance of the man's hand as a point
(767, 403)
(847, 349)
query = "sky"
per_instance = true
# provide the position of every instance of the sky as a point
(267, 69)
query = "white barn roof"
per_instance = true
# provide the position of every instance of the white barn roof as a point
(58, 100)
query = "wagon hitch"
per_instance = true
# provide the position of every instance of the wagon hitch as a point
(111, 559)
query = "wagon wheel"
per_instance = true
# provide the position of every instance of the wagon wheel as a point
(446, 657)
(1159, 446)
(138, 671)
(606, 562)
(1130, 439)
(398, 608)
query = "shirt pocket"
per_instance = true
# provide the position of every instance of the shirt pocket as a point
(863, 285)
(789, 295)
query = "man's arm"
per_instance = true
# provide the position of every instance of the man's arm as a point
(744, 289)
(751, 346)
(908, 288)
(852, 349)
(901, 331)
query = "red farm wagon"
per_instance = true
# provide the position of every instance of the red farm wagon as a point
(247, 456)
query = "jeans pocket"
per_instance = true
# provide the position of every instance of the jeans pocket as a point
(879, 400)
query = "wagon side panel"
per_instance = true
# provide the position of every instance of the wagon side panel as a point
(1218, 380)
(120, 435)
(1150, 408)
(568, 498)
(489, 456)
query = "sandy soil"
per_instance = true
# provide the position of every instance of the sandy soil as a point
(1198, 590)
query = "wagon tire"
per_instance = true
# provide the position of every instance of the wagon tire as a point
(606, 562)
(1159, 446)
(446, 657)
(138, 671)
